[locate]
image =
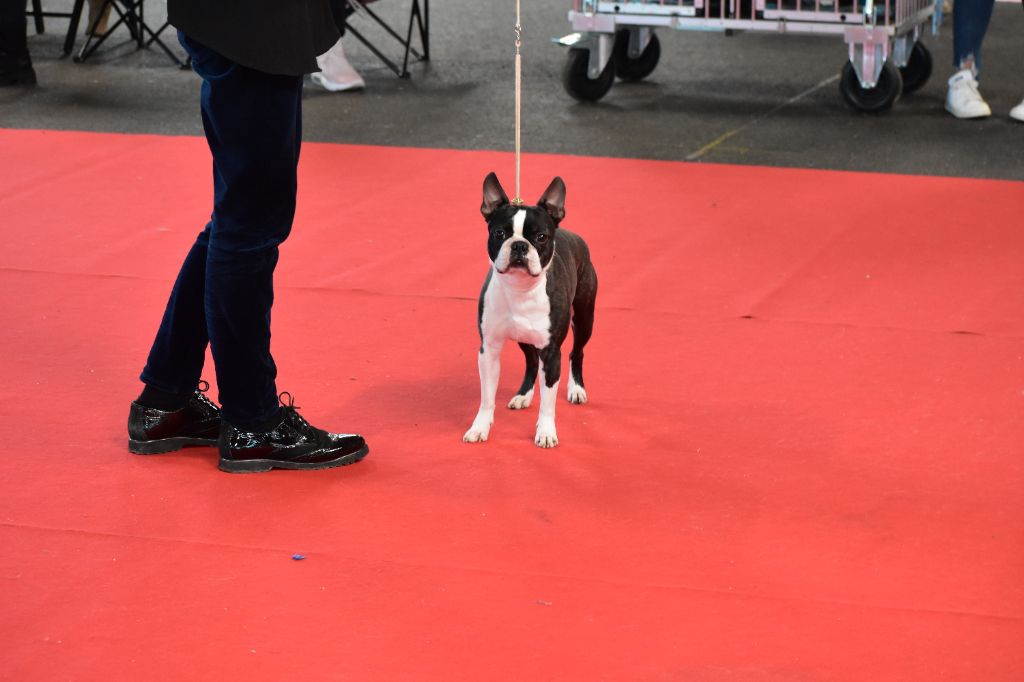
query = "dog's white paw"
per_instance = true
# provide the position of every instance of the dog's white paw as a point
(478, 432)
(481, 427)
(545, 440)
(546, 436)
(475, 435)
(577, 394)
(520, 402)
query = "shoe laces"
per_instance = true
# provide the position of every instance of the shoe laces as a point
(290, 408)
(969, 82)
(201, 388)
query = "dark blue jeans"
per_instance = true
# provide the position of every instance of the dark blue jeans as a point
(970, 22)
(225, 289)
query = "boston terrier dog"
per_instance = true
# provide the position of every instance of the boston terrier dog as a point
(541, 280)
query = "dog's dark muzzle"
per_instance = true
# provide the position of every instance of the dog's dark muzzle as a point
(519, 253)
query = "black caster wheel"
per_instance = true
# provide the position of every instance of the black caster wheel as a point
(639, 68)
(874, 100)
(918, 68)
(579, 84)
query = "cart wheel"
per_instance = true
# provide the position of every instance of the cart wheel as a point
(874, 100)
(578, 84)
(639, 68)
(918, 68)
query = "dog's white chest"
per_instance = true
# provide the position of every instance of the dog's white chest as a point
(523, 316)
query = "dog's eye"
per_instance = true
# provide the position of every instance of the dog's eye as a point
(499, 235)
(541, 238)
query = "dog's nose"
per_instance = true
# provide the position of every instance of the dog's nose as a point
(520, 248)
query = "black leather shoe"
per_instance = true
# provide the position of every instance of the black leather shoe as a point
(293, 444)
(152, 431)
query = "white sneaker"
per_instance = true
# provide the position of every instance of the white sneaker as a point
(336, 74)
(963, 99)
(1018, 112)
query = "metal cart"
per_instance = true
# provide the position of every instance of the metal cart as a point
(885, 57)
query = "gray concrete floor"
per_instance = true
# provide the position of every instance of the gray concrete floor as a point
(766, 99)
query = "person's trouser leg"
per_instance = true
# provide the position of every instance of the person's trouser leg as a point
(179, 350)
(970, 22)
(13, 25)
(253, 126)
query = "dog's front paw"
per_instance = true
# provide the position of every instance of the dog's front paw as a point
(520, 401)
(475, 435)
(479, 431)
(546, 436)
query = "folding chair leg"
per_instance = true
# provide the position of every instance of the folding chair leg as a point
(420, 18)
(390, 31)
(131, 16)
(155, 38)
(415, 17)
(380, 55)
(76, 15)
(37, 15)
(424, 25)
(140, 37)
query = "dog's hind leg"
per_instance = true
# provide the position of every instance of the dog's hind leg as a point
(524, 395)
(582, 327)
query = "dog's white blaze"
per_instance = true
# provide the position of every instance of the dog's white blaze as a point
(518, 221)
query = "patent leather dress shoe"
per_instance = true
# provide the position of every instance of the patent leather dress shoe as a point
(293, 444)
(152, 431)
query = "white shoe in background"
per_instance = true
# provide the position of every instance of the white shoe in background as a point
(963, 99)
(336, 74)
(1018, 112)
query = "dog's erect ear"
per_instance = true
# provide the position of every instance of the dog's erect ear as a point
(494, 196)
(553, 200)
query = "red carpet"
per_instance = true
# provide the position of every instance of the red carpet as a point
(801, 459)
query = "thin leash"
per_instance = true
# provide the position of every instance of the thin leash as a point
(519, 84)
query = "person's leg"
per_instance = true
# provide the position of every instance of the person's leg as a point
(970, 23)
(253, 126)
(15, 63)
(253, 123)
(225, 286)
(179, 350)
(336, 73)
